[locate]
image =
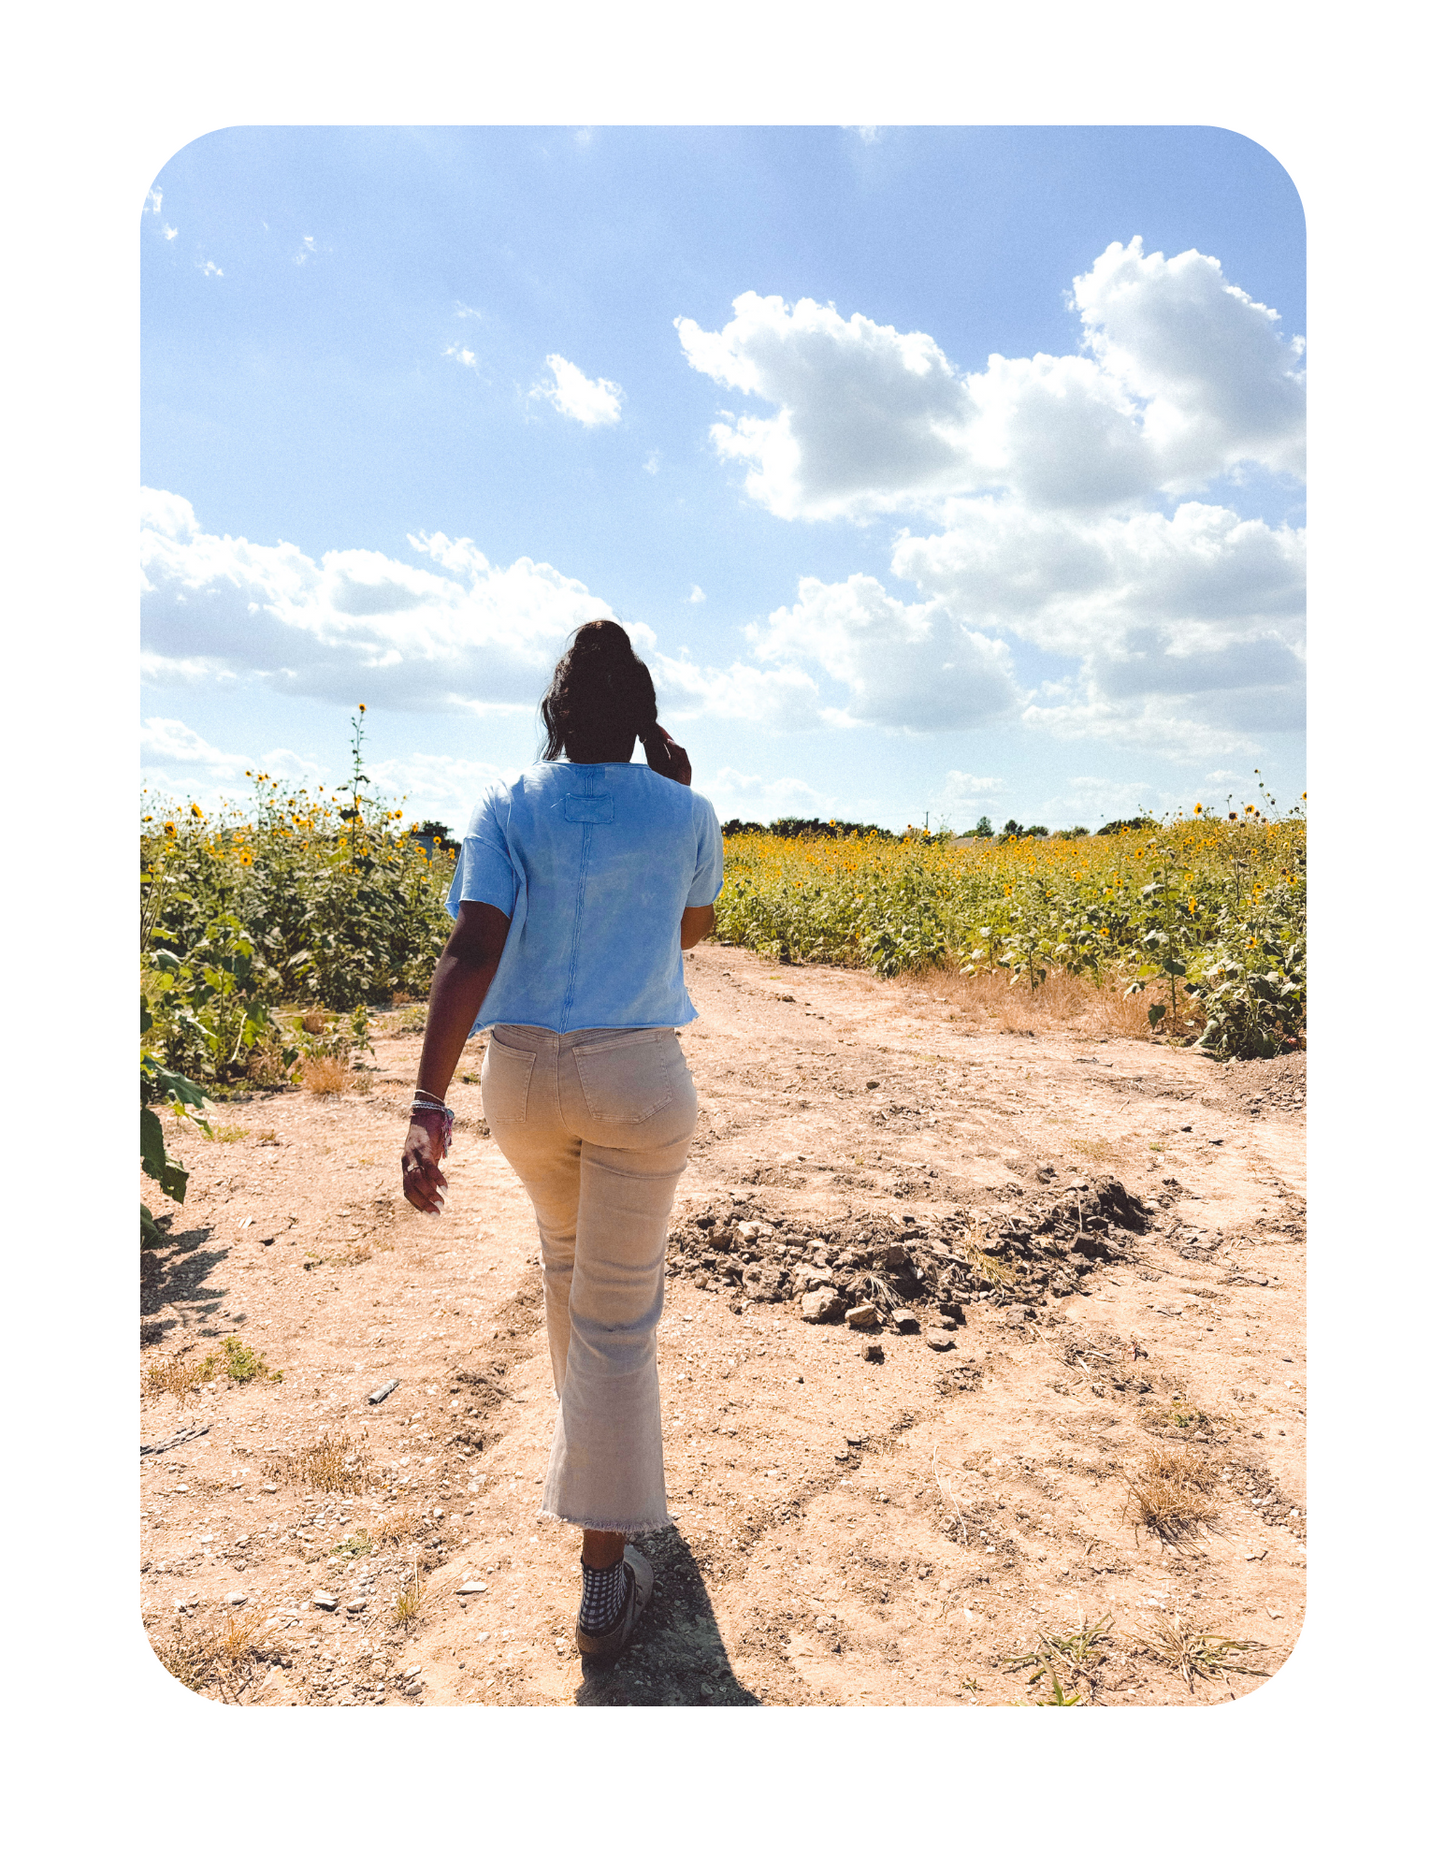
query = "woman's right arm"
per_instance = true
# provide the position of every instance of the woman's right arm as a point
(696, 924)
(464, 972)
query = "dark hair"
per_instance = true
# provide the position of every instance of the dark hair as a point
(600, 697)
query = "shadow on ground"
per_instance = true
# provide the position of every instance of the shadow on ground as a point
(678, 1654)
(174, 1273)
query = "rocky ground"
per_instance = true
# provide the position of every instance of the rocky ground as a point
(982, 1362)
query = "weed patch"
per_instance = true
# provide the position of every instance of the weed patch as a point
(410, 1598)
(1198, 1654)
(1078, 1654)
(243, 1364)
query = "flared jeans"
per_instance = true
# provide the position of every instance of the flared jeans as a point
(597, 1125)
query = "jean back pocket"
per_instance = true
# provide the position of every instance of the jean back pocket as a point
(625, 1081)
(506, 1078)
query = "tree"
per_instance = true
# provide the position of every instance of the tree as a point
(984, 828)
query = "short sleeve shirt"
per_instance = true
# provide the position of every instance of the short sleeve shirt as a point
(594, 865)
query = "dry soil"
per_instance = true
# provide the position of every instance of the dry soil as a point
(848, 1530)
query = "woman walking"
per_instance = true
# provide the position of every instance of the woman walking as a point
(577, 888)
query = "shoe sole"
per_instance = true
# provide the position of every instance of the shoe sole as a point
(603, 1644)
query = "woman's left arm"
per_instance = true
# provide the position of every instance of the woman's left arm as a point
(464, 972)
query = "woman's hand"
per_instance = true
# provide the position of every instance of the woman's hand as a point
(422, 1180)
(666, 756)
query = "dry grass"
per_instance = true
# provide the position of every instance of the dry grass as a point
(971, 1246)
(213, 1659)
(334, 1464)
(400, 1528)
(228, 1133)
(409, 1020)
(316, 1020)
(410, 1598)
(267, 1065)
(1064, 1003)
(1172, 1496)
(179, 1374)
(1197, 1653)
(324, 1078)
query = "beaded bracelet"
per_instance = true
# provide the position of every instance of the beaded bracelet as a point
(434, 1107)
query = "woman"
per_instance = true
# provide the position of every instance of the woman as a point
(576, 891)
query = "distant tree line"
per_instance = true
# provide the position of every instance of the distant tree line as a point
(848, 828)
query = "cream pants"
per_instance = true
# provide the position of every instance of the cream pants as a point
(597, 1125)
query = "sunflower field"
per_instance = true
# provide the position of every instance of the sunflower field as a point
(1205, 914)
(323, 901)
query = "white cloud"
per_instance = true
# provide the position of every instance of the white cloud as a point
(869, 132)
(767, 698)
(908, 666)
(181, 764)
(306, 250)
(1181, 377)
(1158, 724)
(588, 402)
(210, 269)
(169, 231)
(462, 355)
(736, 795)
(650, 465)
(1219, 383)
(454, 632)
(1201, 577)
(868, 418)
(1087, 800)
(697, 595)
(153, 200)
(963, 793)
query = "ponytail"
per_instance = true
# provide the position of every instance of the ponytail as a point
(600, 697)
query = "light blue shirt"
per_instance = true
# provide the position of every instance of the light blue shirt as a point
(594, 865)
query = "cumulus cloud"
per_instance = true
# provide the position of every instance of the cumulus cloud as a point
(697, 595)
(1194, 581)
(592, 403)
(736, 795)
(1218, 381)
(766, 698)
(963, 793)
(1180, 377)
(452, 632)
(170, 742)
(210, 269)
(462, 355)
(909, 666)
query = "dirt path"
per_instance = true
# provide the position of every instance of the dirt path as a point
(848, 1531)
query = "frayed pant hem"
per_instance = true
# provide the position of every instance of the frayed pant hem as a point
(607, 1526)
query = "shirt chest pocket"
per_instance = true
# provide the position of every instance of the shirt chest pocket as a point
(627, 1081)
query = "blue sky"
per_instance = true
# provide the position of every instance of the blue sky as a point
(935, 471)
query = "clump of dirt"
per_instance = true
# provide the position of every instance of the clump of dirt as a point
(1001, 1257)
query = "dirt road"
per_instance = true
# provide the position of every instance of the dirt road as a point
(1113, 1443)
